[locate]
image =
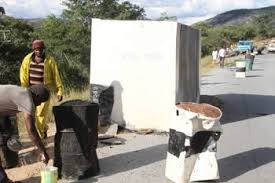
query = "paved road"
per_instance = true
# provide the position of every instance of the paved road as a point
(140, 160)
(246, 150)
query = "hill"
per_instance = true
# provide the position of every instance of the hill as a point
(239, 16)
(35, 22)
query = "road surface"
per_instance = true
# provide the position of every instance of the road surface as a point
(246, 150)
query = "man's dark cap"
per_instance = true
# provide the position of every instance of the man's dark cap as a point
(40, 91)
(38, 44)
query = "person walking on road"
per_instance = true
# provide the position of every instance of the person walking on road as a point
(249, 55)
(221, 56)
(15, 99)
(215, 55)
(40, 68)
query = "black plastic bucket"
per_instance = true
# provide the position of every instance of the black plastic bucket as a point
(8, 128)
(73, 159)
(76, 139)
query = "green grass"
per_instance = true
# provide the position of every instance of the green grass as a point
(206, 65)
(230, 62)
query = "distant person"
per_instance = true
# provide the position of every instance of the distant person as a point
(249, 55)
(215, 55)
(15, 99)
(40, 68)
(221, 55)
(227, 50)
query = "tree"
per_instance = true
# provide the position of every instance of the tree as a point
(215, 37)
(2, 10)
(165, 16)
(68, 38)
(85, 10)
(68, 42)
(265, 25)
(12, 53)
(203, 27)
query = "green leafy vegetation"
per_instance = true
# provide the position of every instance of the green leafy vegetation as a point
(67, 38)
(261, 27)
(13, 48)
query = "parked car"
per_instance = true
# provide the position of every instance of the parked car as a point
(243, 46)
(271, 46)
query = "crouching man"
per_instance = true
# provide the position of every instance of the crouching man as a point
(15, 99)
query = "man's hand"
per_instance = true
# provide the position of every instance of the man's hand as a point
(59, 98)
(44, 157)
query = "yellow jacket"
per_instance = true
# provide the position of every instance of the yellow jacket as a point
(51, 75)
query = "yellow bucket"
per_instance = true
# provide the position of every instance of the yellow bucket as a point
(49, 175)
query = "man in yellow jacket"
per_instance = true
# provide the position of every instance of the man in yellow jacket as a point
(40, 68)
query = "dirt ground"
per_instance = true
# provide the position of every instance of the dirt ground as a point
(131, 158)
(127, 161)
(29, 167)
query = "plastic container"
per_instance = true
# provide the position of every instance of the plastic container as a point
(49, 175)
(240, 69)
(194, 131)
(8, 130)
(14, 144)
(76, 139)
(248, 64)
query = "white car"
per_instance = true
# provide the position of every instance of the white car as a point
(271, 46)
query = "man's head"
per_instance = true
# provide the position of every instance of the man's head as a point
(38, 47)
(39, 94)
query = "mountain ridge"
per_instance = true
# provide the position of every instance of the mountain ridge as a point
(238, 16)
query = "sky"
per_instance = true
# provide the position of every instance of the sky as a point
(186, 11)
